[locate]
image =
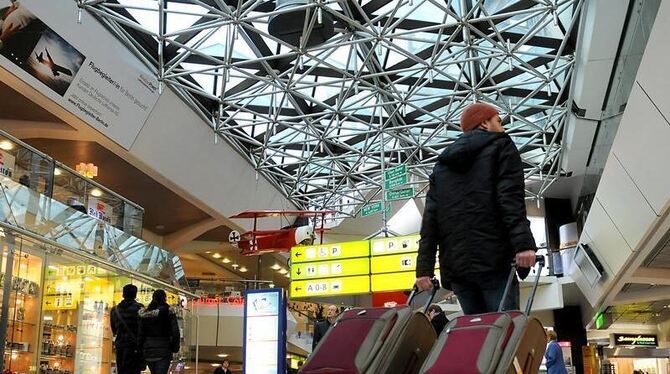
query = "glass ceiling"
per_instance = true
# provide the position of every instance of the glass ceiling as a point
(389, 87)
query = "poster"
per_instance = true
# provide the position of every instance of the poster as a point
(100, 210)
(114, 95)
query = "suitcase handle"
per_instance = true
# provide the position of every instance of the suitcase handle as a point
(415, 291)
(539, 259)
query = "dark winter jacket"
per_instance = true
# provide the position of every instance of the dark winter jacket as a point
(126, 334)
(320, 329)
(475, 210)
(159, 335)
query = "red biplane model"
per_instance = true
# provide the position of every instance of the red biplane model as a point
(256, 242)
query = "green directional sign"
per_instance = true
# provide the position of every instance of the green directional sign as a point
(405, 193)
(395, 172)
(374, 208)
(395, 182)
(371, 209)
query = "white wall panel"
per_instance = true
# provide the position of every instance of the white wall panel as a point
(606, 240)
(624, 203)
(653, 73)
(641, 145)
(178, 144)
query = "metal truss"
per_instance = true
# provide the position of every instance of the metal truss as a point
(388, 89)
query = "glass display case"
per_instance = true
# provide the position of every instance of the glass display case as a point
(21, 344)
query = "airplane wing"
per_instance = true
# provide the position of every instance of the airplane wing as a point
(63, 70)
(282, 213)
(51, 60)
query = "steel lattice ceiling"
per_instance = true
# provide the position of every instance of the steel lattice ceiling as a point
(388, 87)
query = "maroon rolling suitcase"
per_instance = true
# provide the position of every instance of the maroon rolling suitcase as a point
(504, 342)
(375, 341)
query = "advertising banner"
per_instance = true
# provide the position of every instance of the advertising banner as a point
(70, 63)
(264, 332)
(7, 162)
(98, 209)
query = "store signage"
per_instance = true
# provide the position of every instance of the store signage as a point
(395, 172)
(334, 251)
(395, 182)
(7, 162)
(329, 269)
(232, 300)
(264, 332)
(100, 210)
(401, 244)
(636, 340)
(331, 287)
(405, 193)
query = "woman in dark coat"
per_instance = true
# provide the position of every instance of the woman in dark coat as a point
(158, 333)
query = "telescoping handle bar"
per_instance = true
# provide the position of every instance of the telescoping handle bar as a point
(539, 259)
(415, 291)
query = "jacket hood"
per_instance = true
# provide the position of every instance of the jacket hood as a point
(460, 155)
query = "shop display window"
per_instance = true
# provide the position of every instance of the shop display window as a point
(23, 307)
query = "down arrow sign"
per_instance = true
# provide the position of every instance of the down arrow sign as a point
(298, 271)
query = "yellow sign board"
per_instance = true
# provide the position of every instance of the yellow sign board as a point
(331, 287)
(330, 251)
(390, 246)
(394, 263)
(393, 281)
(329, 269)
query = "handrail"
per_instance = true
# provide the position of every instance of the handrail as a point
(65, 167)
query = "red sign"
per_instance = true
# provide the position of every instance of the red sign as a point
(382, 298)
(565, 344)
(233, 300)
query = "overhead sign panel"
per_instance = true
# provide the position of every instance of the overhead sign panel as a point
(329, 269)
(394, 263)
(405, 193)
(333, 251)
(395, 172)
(331, 287)
(371, 209)
(401, 244)
(395, 182)
(393, 281)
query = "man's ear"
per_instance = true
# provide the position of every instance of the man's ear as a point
(484, 125)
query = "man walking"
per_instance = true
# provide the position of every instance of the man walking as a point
(124, 321)
(554, 355)
(321, 327)
(475, 212)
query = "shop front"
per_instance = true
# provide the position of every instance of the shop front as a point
(56, 307)
(629, 353)
(62, 271)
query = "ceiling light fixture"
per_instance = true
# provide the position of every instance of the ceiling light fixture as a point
(96, 192)
(226, 260)
(275, 267)
(243, 269)
(235, 266)
(272, 285)
(6, 145)
(283, 271)
(57, 171)
(222, 355)
(88, 170)
(216, 255)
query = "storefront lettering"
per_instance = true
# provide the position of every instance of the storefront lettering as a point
(639, 340)
(235, 300)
